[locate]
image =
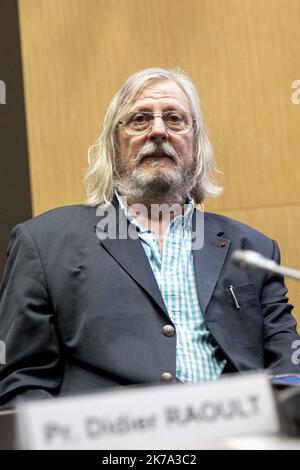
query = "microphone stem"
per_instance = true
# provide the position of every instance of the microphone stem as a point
(289, 272)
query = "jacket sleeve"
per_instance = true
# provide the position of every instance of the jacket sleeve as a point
(280, 334)
(30, 364)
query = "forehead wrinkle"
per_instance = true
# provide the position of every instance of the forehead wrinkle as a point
(161, 92)
(166, 106)
(161, 98)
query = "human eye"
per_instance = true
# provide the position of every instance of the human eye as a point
(174, 117)
(140, 118)
(137, 121)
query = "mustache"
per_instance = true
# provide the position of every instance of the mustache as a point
(150, 148)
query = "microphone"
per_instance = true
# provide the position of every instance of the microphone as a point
(253, 259)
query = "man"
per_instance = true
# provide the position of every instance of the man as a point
(137, 285)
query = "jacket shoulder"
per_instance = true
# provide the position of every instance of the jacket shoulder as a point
(64, 214)
(58, 223)
(232, 228)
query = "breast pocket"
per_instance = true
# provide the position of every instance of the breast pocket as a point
(239, 295)
(246, 315)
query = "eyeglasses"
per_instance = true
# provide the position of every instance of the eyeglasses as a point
(136, 123)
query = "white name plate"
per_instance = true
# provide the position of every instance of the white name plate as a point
(157, 417)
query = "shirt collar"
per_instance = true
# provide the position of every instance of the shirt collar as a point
(181, 220)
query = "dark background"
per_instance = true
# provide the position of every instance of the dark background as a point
(15, 198)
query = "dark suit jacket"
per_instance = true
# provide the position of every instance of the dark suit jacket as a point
(79, 314)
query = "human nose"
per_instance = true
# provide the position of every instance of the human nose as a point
(158, 131)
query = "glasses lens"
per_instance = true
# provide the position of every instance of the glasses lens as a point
(137, 123)
(175, 121)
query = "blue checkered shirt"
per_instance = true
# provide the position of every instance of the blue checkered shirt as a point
(174, 272)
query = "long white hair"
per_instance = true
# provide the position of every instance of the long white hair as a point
(99, 179)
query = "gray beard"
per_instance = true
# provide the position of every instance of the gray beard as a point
(172, 185)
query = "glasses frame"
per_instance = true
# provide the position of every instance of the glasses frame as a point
(151, 123)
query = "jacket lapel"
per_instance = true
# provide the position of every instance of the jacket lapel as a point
(121, 241)
(208, 260)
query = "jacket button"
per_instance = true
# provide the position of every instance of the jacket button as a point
(166, 378)
(169, 330)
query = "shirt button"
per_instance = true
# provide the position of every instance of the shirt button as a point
(166, 378)
(169, 330)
